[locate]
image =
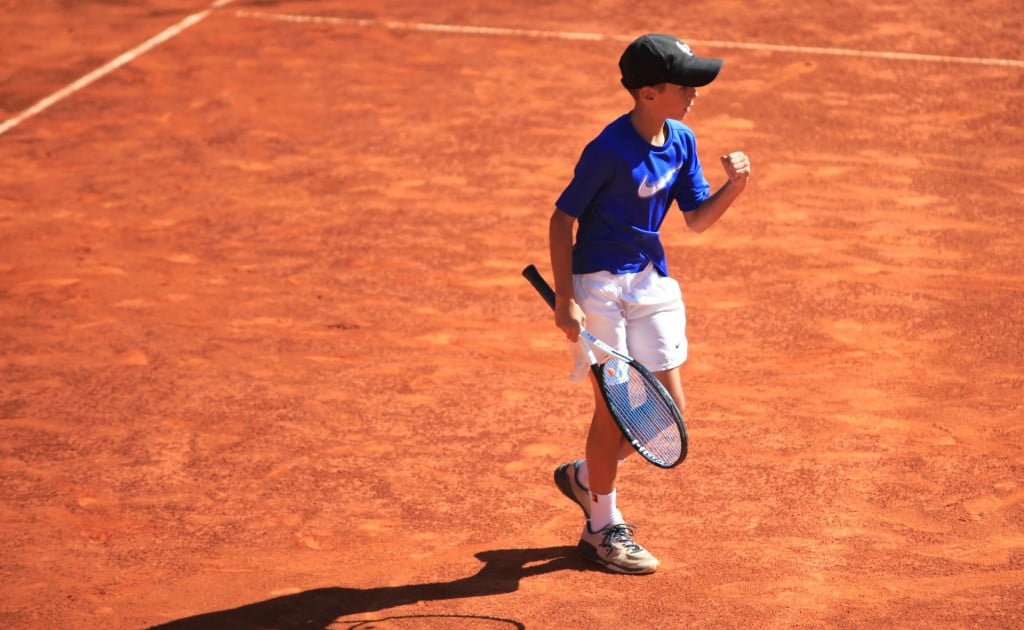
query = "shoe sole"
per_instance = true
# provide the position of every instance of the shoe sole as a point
(589, 552)
(564, 483)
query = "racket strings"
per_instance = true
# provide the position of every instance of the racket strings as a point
(642, 408)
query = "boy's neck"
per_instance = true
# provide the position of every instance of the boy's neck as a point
(651, 129)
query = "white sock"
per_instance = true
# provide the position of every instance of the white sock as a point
(603, 511)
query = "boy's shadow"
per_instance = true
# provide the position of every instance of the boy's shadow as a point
(319, 608)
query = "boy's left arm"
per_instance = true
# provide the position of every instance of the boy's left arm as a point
(737, 167)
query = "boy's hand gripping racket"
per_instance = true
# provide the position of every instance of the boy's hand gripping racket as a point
(639, 403)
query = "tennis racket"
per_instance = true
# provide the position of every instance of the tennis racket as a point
(638, 402)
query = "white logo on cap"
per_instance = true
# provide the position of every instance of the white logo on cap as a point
(686, 49)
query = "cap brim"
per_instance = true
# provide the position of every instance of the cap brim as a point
(699, 72)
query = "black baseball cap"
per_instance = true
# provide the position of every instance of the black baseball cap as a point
(653, 59)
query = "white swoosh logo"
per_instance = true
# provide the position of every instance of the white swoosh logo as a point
(646, 191)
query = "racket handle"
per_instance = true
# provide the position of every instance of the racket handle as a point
(541, 285)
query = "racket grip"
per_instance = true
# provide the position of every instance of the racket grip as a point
(540, 284)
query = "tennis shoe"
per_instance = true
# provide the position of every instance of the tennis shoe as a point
(614, 548)
(567, 480)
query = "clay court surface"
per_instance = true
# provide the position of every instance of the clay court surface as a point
(267, 360)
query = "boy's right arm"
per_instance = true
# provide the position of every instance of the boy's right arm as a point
(568, 315)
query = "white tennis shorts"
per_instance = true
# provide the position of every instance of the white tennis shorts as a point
(640, 314)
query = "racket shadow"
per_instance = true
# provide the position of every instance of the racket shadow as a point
(320, 608)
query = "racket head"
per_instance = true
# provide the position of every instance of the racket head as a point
(644, 410)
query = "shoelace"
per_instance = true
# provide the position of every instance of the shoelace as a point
(621, 533)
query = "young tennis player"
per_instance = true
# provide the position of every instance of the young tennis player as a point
(613, 276)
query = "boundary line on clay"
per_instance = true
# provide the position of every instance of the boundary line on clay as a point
(195, 18)
(580, 36)
(127, 57)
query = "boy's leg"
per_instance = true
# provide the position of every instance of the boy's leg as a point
(674, 385)
(604, 442)
(607, 539)
(604, 445)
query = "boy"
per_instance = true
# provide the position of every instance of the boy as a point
(614, 279)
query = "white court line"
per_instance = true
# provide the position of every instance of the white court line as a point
(517, 32)
(110, 66)
(193, 19)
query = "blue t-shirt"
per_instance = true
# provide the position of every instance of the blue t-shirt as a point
(621, 191)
